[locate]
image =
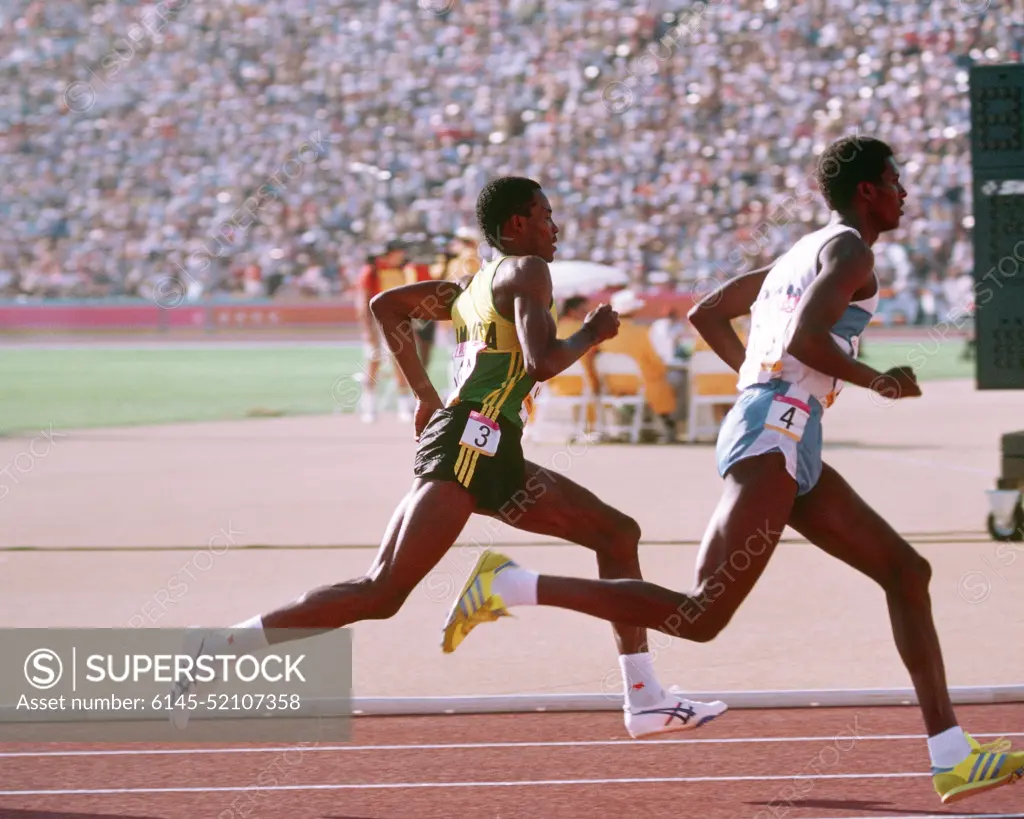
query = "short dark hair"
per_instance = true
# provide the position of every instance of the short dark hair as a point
(845, 164)
(499, 201)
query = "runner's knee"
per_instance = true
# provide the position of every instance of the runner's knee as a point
(708, 611)
(911, 575)
(383, 598)
(688, 617)
(709, 624)
(622, 540)
(388, 604)
(389, 597)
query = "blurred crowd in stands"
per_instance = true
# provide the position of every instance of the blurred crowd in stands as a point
(269, 147)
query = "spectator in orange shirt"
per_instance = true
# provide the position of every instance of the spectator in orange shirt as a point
(635, 341)
(570, 319)
(379, 274)
(718, 384)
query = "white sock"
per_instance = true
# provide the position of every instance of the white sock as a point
(517, 586)
(639, 680)
(949, 748)
(244, 638)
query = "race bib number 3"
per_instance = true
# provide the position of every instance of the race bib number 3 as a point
(788, 416)
(481, 434)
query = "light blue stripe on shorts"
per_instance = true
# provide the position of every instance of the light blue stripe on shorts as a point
(747, 432)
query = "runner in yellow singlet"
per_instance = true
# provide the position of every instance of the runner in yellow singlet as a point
(470, 457)
(490, 368)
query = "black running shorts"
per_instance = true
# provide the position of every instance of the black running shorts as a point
(459, 444)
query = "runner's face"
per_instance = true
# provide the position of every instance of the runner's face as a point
(541, 229)
(887, 206)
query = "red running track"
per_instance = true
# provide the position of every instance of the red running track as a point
(852, 762)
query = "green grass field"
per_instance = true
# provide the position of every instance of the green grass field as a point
(109, 386)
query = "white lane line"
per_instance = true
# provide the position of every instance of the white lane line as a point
(913, 815)
(523, 783)
(472, 746)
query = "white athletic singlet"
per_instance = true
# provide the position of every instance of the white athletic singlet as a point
(771, 321)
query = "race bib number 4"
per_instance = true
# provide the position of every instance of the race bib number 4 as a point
(788, 416)
(481, 434)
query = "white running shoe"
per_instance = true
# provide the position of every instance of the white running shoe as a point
(674, 713)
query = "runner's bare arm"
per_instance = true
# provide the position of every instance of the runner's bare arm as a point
(713, 314)
(429, 301)
(544, 354)
(394, 311)
(847, 264)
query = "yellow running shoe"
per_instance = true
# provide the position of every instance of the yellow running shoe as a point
(988, 766)
(476, 603)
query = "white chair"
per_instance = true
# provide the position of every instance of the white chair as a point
(706, 362)
(614, 364)
(548, 422)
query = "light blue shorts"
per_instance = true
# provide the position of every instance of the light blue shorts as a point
(774, 417)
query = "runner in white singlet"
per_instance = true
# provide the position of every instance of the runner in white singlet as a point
(808, 310)
(772, 324)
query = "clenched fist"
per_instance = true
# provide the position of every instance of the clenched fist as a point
(899, 382)
(603, 322)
